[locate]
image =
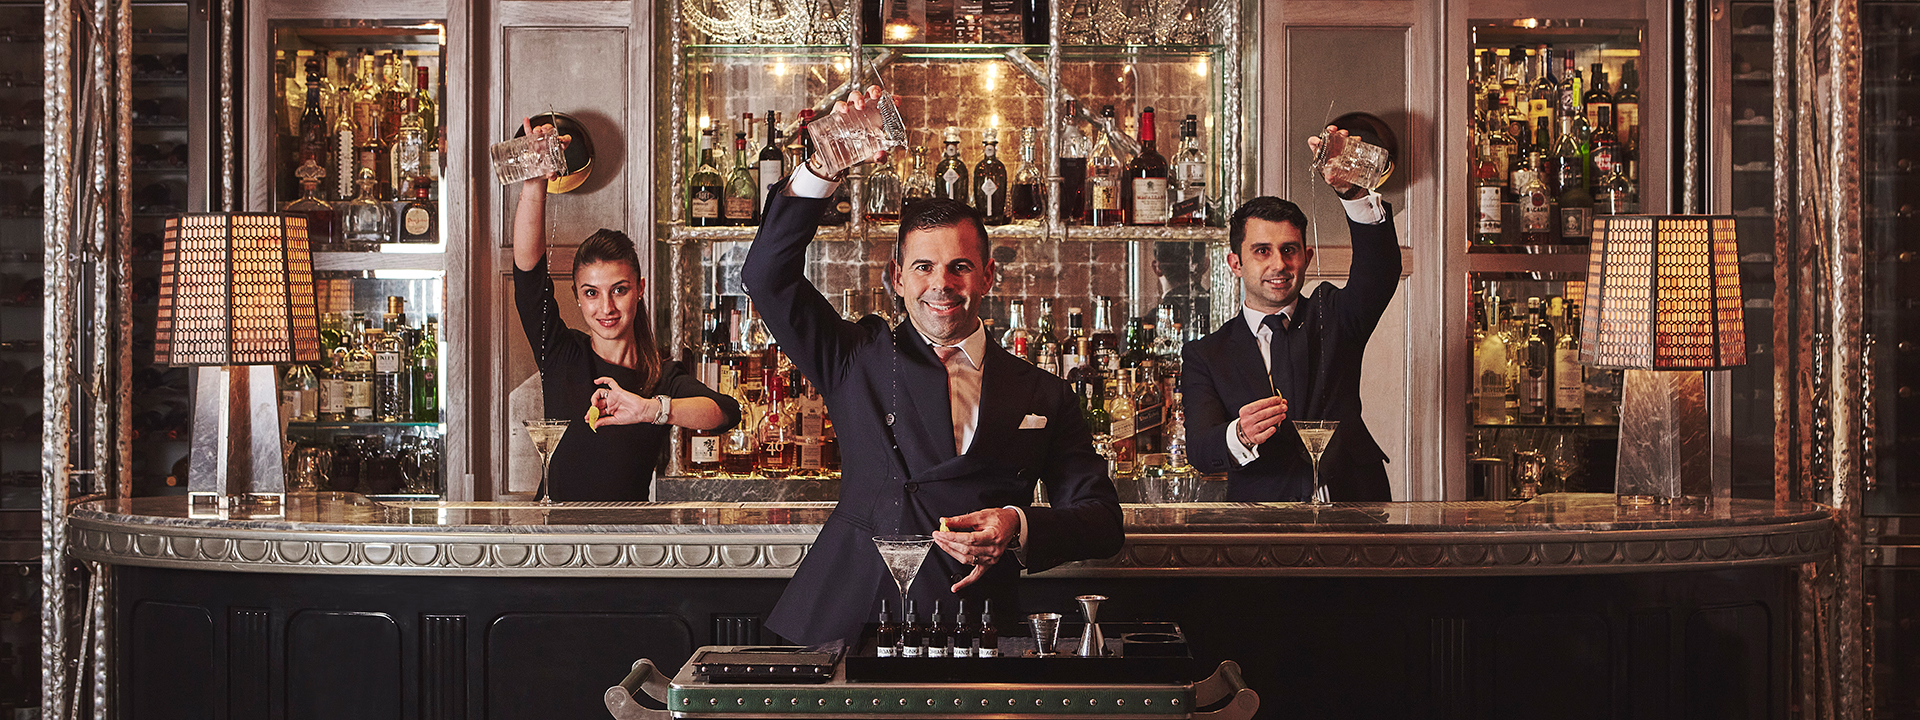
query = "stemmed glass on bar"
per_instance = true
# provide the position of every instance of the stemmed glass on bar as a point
(545, 434)
(1316, 434)
(903, 554)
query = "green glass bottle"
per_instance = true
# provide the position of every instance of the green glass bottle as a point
(426, 373)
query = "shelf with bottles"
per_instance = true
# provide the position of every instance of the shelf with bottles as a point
(357, 132)
(1526, 369)
(1555, 136)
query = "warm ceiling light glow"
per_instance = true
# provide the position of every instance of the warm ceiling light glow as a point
(1200, 67)
(841, 64)
(1620, 52)
(994, 121)
(779, 69)
(706, 122)
(901, 31)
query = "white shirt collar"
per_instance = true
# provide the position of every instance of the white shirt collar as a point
(1256, 319)
(973, 346)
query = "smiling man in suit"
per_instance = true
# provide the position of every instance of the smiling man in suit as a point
(1291, 355)
(935, 423)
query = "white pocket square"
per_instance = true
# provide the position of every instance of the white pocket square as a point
(1033, 422)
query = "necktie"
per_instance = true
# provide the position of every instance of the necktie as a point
(1278, 370)
(959, 400)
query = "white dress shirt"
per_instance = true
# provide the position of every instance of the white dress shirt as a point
(1366, 210)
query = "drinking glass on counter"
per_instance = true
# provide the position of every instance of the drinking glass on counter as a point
(1316, 434)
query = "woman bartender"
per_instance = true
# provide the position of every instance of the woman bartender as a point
(614, 367)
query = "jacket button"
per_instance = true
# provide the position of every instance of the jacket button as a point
(889, 419)
(913, 487)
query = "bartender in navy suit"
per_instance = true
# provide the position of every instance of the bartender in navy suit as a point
(935, 424)
(1292, 355)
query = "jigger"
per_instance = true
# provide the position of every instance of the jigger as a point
(1092, 643)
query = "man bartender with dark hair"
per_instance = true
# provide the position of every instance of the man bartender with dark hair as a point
(936, 424)
(1292, 355)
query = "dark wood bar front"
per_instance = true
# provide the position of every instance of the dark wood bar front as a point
(1565, 605)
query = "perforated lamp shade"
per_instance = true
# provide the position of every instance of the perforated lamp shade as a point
(236, 289)
(1663, 293)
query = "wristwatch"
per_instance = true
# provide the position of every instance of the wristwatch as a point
(665, 413)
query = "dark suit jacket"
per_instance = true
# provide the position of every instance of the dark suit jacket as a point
(1223, 371)
(887, 393)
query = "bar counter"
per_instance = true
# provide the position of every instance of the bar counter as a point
(1564, 605)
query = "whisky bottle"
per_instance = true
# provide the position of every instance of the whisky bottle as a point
(702, 447)
(360, 373)
(919, 185)
(1074, 148)
(1189, 185)
(1028, 200)
(950, 176)
(1569, 377)
(1488, 191)
(1536, 367)
(809, 417)
(1576, 204)
(1104, 206)
(771, 166)
(990, 181)
(419, 221)
(426, 373)
(1072, 355)
(1144, 191)
(740, 205)
(1106, 343)
(1120, 421)
(705, 187)
(740, 448)
(333, 379)
(1597, 100)
(1626, 113)
(371, 148)
(299, 391)
(776, 435)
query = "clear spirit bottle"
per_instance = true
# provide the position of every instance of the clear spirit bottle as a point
(885, 193)
(919, 185)
(1103, 176)
(1028, 200)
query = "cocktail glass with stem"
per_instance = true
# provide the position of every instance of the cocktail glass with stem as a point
(545, 435)
(1315, 434)
(903, 555)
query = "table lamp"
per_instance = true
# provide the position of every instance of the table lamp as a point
(1663, 302)
(236, 297)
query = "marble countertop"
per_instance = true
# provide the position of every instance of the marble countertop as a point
(343, 532)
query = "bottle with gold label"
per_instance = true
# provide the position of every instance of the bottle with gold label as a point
(419, 221)
(360, 373)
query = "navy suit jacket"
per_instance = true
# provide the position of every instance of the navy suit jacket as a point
(1223, 371)
(887, 394)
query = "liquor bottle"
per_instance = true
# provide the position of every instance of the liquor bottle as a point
(1626, 112)
(311, 146)
(849, 305)
(1074, 148)
(740, 448)
(1489, 189)
(885, 193)
(365, 222)
(1144, 191)
(1576, 204)
(342, 150)
(1106, 343)
(740, 201)
(1536, 204)
(1095, 409)
(1614, 194)
(1597, 100)
(771, 166)
(702, 447)
(776, 437)
(299, 393)
(1072, 355)
(989, 643)
(371, 147)
(939, 633)
(913, 636)
(798, 146)
(419, 220)
(1569, 378)
(1028, 200)
(1500, 144)
(1572, 89)
(1536, 367)
(1104, 206)
(322, 221)
(426, 373)
(1513, 84)
(990, 181)
(879, 302)
(1018, 339)
(333, 381)
(396, 82)
(1120, 420)
(950, 176)
(1490, 357)
(393, 399)
(408, 151)
(1189, 186)
(1605, 157)
(807, 412)
(705, 187)
(360, 373)
(1544, 100)
(426, 110)
(919, 185)
(886, 635)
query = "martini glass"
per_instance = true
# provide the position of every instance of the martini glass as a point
(546, 436)
(903, 555)
(1315, 434)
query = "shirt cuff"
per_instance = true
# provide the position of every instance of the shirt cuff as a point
(1020, 550)
(803, 183)
(1366, 209)
(1241, 453)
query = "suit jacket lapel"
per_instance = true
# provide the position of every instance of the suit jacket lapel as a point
(1000, 383)
(923, 386)
(1243, 357)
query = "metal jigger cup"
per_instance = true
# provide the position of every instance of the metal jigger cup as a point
(1046, 632)
(1092, 642)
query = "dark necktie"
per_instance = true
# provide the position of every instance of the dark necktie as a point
(1278, 371)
